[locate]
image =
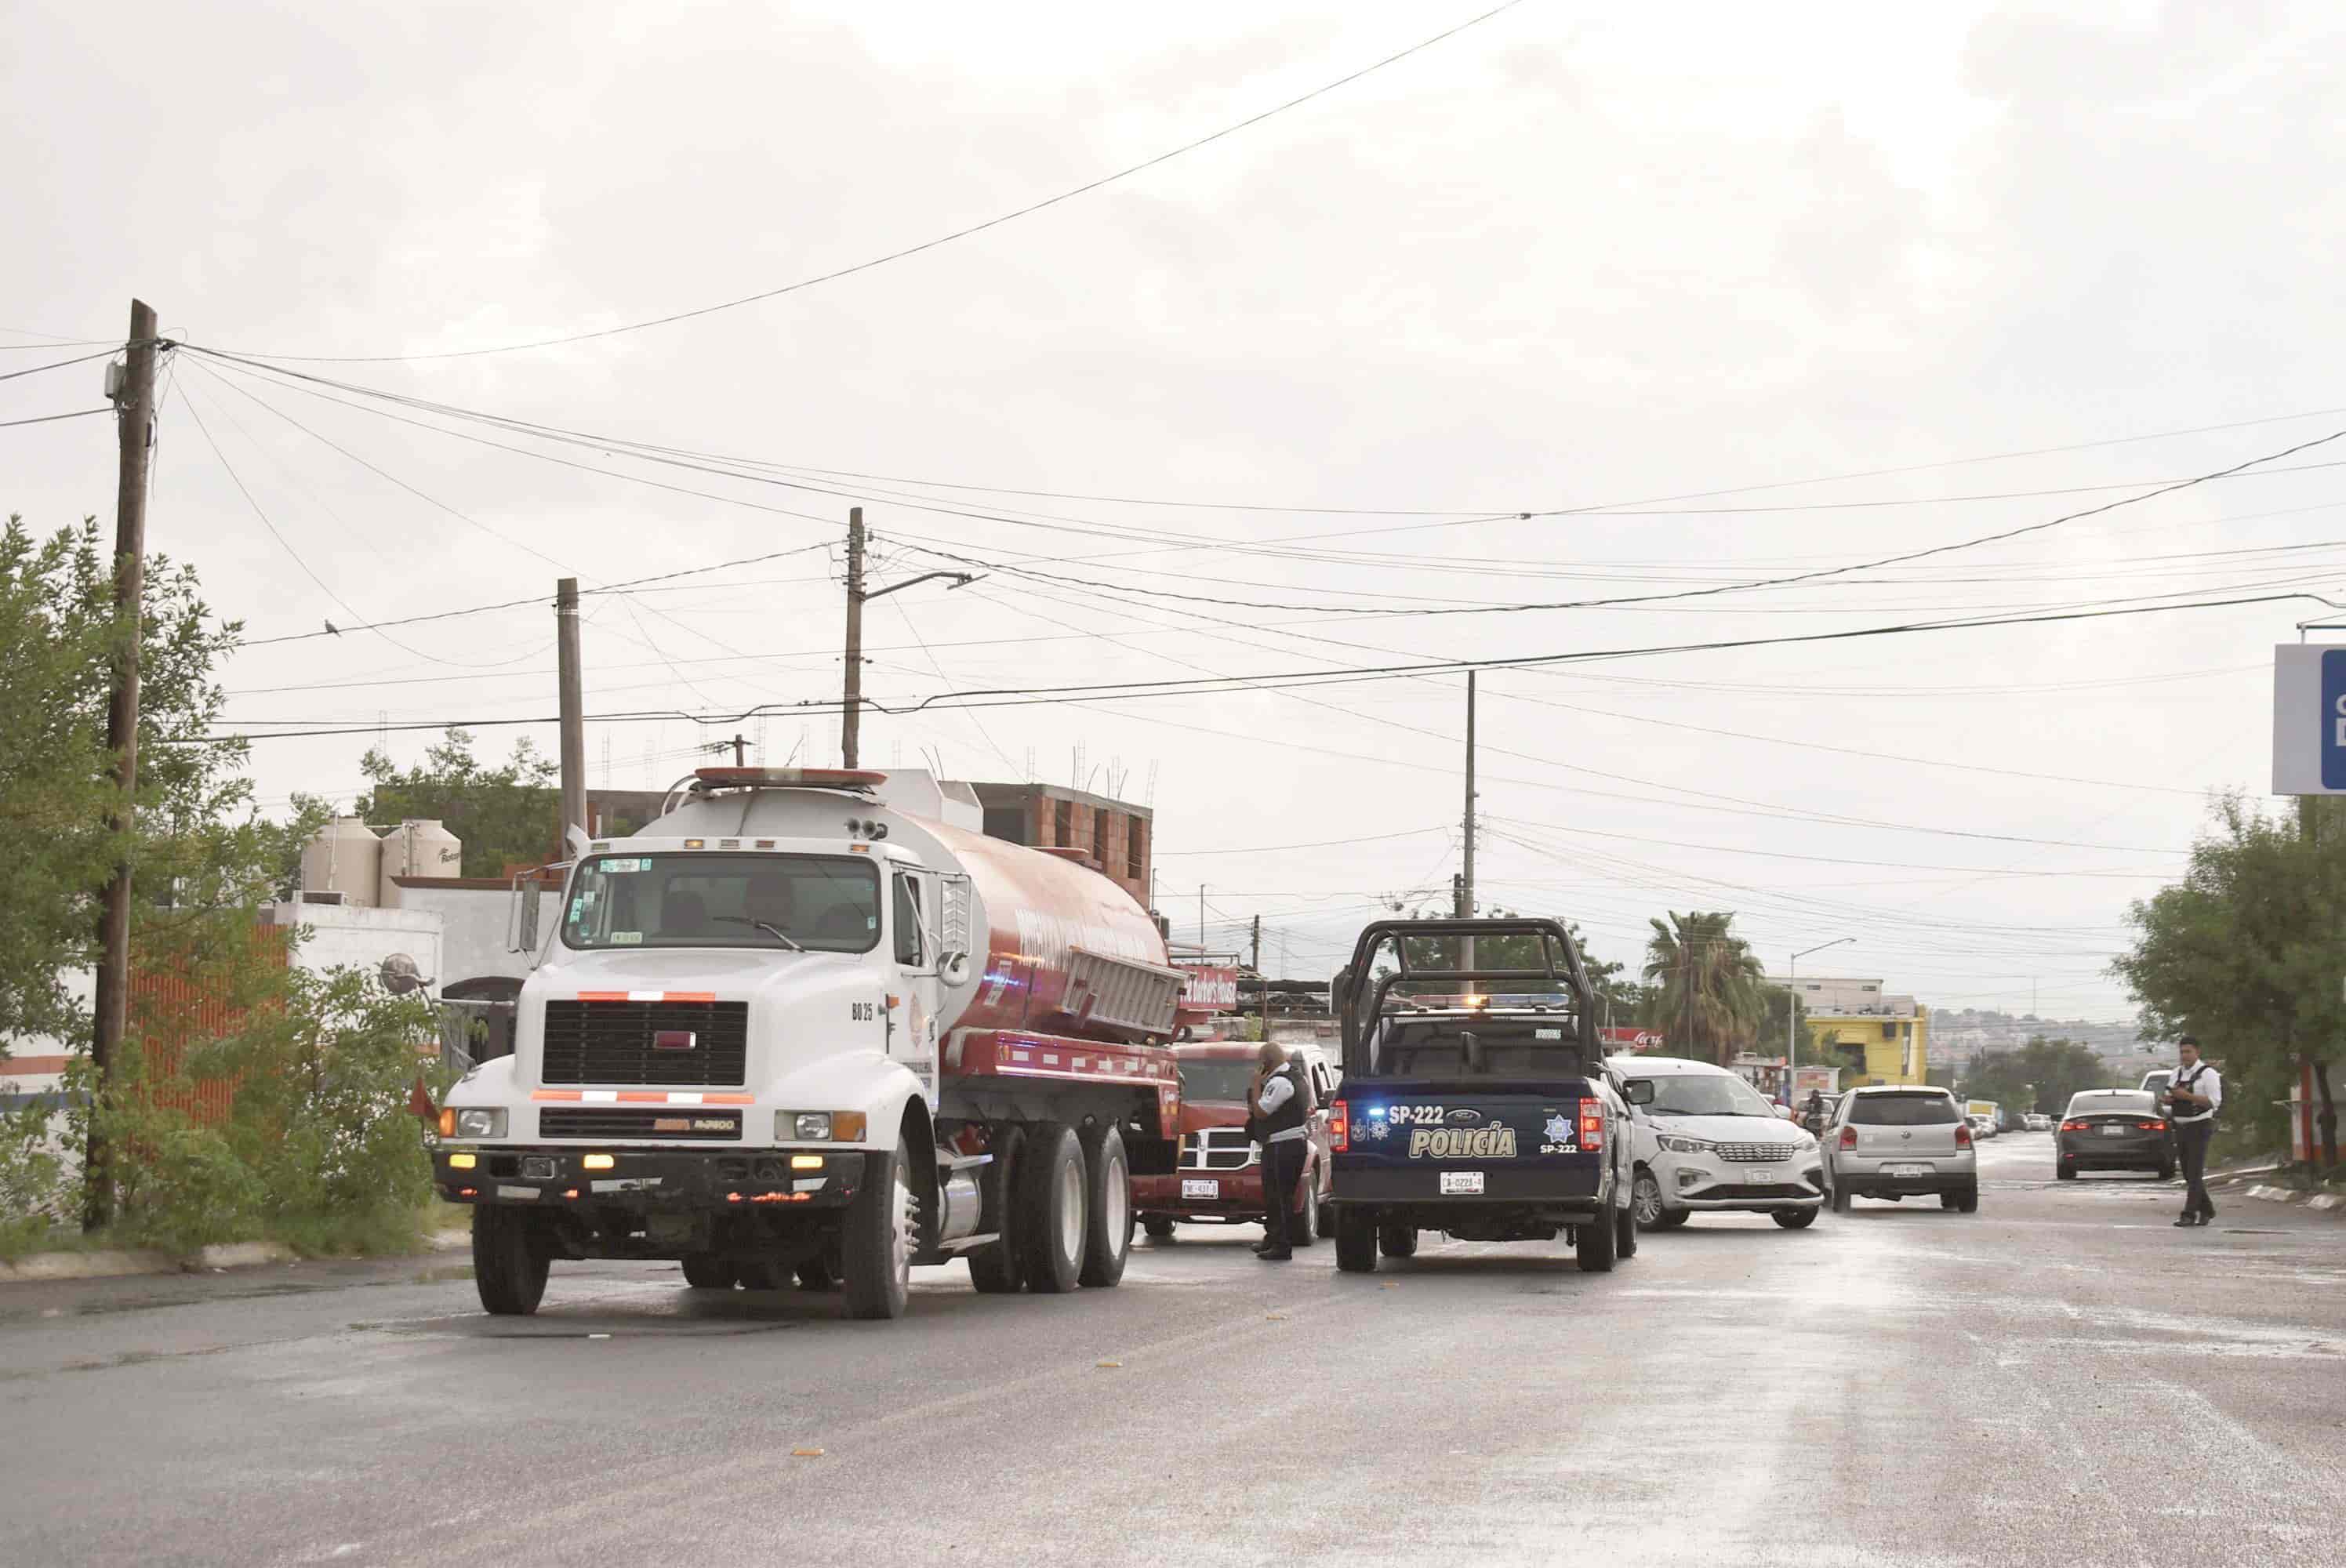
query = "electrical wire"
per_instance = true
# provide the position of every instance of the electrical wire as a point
(57, 364)
(50, 418)
(932, 244)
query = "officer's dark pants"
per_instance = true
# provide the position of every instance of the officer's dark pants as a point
(1282, 1167)
(2191, 1145)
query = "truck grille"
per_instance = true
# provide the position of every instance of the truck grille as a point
(1755, 1151)
(1218, 1149)
(611, 1043)
(674, 1123)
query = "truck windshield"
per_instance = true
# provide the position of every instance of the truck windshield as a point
(824, 903)
(1221, 1081)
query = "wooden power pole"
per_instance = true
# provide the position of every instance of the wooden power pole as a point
(135, 428)
(574, 721)
(851, 701)
(1466, 873)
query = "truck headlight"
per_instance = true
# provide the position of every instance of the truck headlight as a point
(818, 1126)
(480, 1124)
(1679, 1143)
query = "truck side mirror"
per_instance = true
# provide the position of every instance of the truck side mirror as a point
(954, 968)
(520, 920)
(1641, 1092)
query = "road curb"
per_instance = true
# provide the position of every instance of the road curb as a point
(124, 1264)
(2323, 1202)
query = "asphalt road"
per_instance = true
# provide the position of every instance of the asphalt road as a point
(2060, 1378)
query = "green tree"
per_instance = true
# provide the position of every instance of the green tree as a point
(2039, 1077)
(506, 815)
(2246, 952)
(1711, 988)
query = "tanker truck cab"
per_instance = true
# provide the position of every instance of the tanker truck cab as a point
(1476, 1100)
(793, 1032)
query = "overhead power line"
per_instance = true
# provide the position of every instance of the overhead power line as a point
(931, 244)
(49, 418)
(57, 364)
(1219, 685)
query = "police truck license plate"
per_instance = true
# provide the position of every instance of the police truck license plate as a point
(1190, 1188)
(1461, 1182)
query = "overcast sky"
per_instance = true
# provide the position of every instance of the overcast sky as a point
(1574, 257)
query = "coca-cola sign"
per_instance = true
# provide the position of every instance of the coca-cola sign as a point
(1628, 1039)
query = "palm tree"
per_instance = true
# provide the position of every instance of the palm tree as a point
(1707, 982)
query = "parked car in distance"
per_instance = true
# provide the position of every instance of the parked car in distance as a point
(1219, 1173)
(2036, 1121)
(1981, 1125)
(2157, 1082)
(1894, 1141)
(2114, 1129)
(1710, 1141)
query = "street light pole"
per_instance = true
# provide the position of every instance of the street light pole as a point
(1792, 1009)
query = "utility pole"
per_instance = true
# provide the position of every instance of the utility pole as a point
(741, 750)
(1201, 919)
(133, 430)
(573, 720)
(1257, 960)
(850, 714)
(1467, 876)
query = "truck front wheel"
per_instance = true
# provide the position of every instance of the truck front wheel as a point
(1356, 1241)
(1051, 1207)
(510, 1261)
(875, 1242)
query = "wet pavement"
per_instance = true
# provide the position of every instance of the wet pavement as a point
(2060, 1378)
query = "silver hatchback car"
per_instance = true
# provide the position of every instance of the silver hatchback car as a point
(1894, 1141)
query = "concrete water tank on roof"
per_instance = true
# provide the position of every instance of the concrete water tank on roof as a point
(418, 848)
(343, 857)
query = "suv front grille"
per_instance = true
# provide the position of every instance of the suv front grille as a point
(611, 1043)
(687, 1123)
(1756, 1153)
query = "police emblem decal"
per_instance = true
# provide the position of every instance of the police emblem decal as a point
(1559, 1129)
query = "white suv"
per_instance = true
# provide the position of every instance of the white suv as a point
(1710, 1142)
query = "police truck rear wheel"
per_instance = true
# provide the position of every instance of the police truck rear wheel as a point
(707, 1271)
(1593, 1245)
(1397, 1240)
(1107, 1207)
(510, 1262)
(1356, 1242)
(1327, 1221)
(1625, 1233)
(876, 1238)
(996, 1268)
(1303, 1225)
(1050, 1209)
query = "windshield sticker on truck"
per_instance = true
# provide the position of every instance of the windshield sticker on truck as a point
(627, 938)
(622, 863)
(1462, 1143)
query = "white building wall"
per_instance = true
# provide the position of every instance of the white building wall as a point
(472, 922)
(353, 935)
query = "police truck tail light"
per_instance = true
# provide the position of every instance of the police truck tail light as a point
(1963, 1135)
(1849, 1137)
(1340, 1127)
(1592, 1125)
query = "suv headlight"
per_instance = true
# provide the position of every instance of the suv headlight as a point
(480, 1124)
(1679, 1143)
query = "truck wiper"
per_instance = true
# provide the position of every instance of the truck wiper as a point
(776, 934)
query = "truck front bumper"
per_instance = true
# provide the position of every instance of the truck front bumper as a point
(648, 1179)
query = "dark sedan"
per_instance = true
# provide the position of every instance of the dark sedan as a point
(2113, 1130)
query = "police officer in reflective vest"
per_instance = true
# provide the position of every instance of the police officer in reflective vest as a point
(2192, 1101)
(1280, 1105)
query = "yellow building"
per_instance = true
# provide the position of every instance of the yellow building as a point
(1871, 1037)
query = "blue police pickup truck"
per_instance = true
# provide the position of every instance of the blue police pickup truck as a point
(1476, 1100)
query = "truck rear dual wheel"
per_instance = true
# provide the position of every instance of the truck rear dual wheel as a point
(1356, 1241)
(708, 1271)
(997, 1269)
(1107, 1207)
(1050, 1214)
(511, 1259)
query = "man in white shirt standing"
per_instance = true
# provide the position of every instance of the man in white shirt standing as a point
(2192, 1101)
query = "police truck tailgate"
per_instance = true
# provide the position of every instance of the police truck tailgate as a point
(1415, 1142)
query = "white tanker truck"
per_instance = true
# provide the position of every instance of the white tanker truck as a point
(790, 1029)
